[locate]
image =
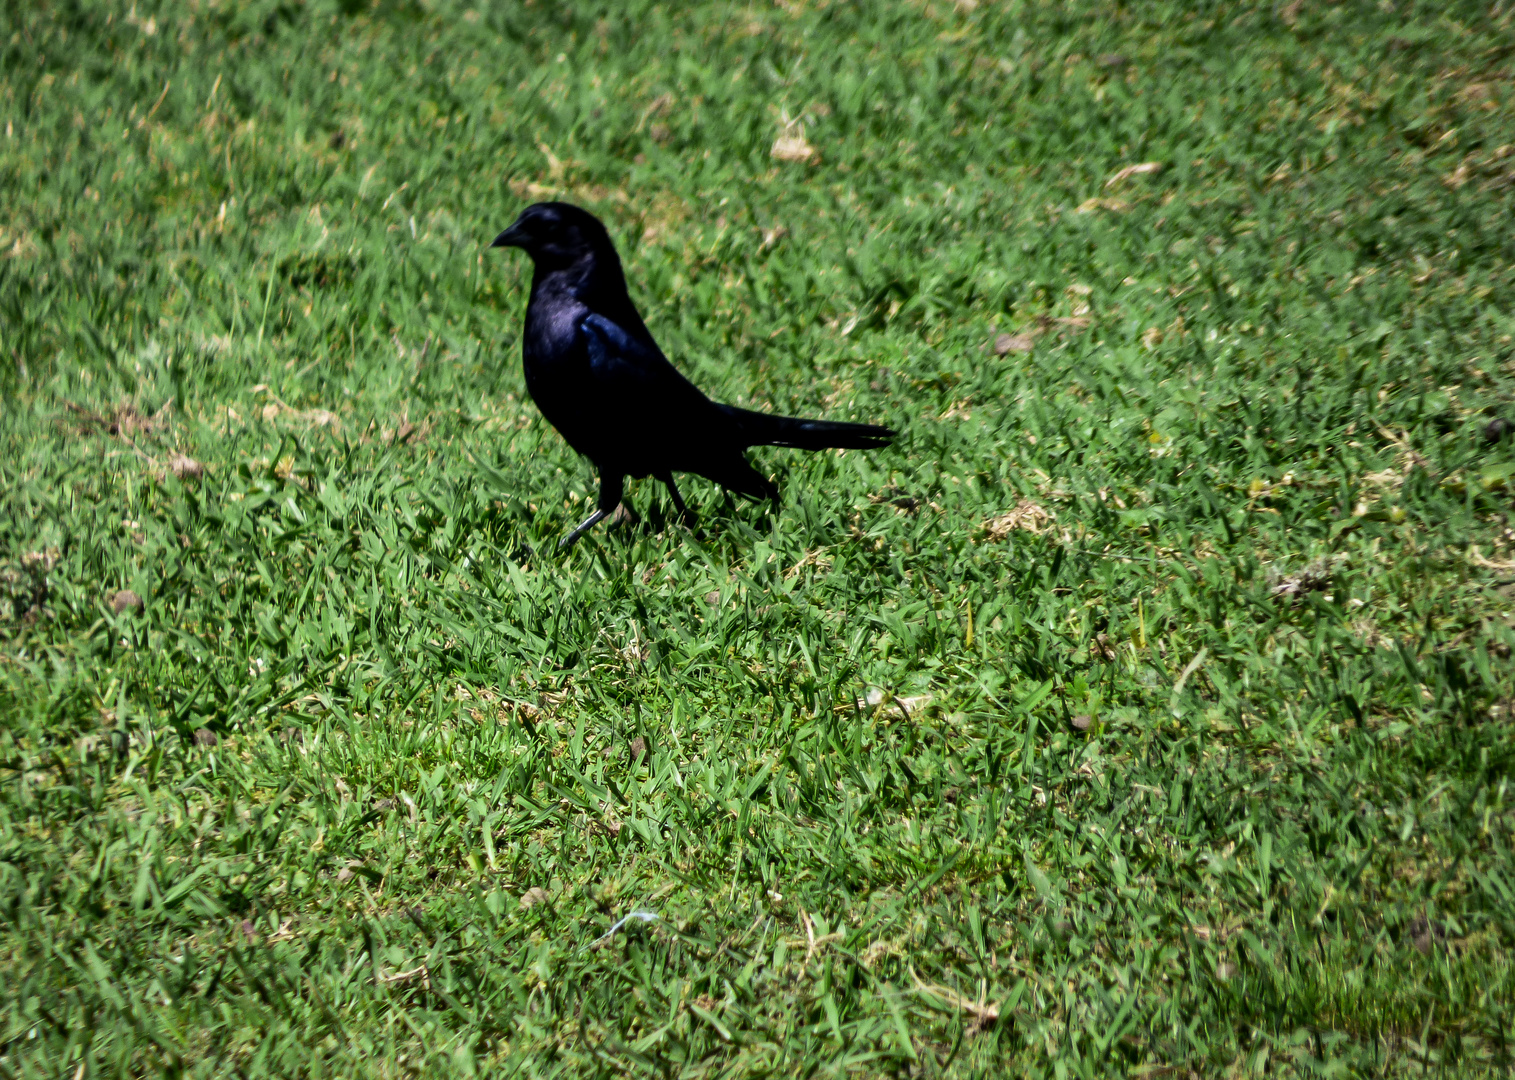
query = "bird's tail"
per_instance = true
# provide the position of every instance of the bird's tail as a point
(764, 429)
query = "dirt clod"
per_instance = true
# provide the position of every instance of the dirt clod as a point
(1009, 343)
(185, 467)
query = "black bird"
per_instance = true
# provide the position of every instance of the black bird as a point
(594, 370)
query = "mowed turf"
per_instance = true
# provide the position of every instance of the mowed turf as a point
(1145, 711)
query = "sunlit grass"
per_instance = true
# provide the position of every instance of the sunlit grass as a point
(1145, 711)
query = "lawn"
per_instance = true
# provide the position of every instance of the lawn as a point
(1145, 711)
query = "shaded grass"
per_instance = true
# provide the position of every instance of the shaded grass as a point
(283, 819)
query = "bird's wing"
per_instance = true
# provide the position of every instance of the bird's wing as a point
(621, 362)
(652, 416)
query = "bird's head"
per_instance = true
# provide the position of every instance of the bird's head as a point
(556, 235)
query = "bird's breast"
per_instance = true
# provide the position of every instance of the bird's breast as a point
(552, 333)
(556, 365)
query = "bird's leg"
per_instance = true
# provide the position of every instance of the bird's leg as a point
(584, 526)
(610, 497)
(678, 500)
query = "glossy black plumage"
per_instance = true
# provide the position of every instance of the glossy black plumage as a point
(598, 376)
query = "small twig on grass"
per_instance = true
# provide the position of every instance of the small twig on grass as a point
(1477, 558)
(406, 976)
(153, 111)
(983, 1011)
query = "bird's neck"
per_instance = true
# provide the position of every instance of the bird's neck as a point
(596, 283)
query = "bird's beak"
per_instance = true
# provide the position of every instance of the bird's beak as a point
(511, 237)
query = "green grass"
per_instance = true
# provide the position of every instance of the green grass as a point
(353, 792)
